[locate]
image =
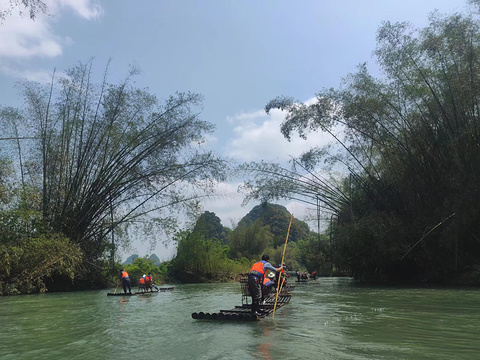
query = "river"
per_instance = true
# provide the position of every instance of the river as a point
(330, 318)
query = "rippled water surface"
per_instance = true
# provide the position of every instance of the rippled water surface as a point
(330, 318)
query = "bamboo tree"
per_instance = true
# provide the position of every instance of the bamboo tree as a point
(409, 145)
(114, 150)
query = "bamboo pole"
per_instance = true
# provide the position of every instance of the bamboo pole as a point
(424, 236)
(280, 277)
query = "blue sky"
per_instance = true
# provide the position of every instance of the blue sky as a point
(237, 54)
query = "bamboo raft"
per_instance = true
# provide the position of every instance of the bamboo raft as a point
(141, 292)
(244, 311)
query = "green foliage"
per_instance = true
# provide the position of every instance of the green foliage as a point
(20, 220)
(138, 150)
(141, 266)
(190, 252)
(200, 258)
(423, 137)
(312, 253)
(31, 256)
(210, 226)
(5, 172)
(250, 241)
(163, 271)
(26, 265)
(291, 260)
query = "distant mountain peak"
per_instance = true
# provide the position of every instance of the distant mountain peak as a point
(130, 259)
(155, 260)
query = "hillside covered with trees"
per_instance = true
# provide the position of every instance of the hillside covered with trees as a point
(201, 257)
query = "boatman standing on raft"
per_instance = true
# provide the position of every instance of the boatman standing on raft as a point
(125, 281)
(255, 281)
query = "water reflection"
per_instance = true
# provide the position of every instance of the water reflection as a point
(263, 351)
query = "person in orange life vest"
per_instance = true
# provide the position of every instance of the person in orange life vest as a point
(267, 284)
(255, 281)
(148, 282)
(125, 279)
(141, 283)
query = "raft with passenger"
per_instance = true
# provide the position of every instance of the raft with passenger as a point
(155, 291)
(244, 312)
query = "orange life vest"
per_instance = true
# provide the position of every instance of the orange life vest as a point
(257, 269)
(148, 278)
(141, 281)
(124, 274)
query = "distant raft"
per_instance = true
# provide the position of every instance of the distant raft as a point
(244, 311)
(142, 292)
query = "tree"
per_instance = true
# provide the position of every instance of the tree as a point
(211, 227)
(106, 156)
(312, 254)
(30, 254)
(199, 258)
(407, 206)
(141, 266)
(5, 171)
(250, 240)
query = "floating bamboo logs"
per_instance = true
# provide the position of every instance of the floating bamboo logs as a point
(142, 292)
(244, 312)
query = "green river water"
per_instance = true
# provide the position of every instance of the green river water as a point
(330, 318)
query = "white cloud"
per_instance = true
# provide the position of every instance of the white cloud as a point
(246, 116)
(257, 137)
(40, 76)
(85, 8)
(23, 39)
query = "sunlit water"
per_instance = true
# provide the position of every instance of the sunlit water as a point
(330, 318)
